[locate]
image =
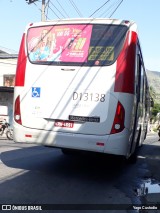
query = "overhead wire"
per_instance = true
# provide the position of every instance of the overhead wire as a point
(116, 9)
(99, 8)
(109, 9)
(54, 12)
(57, 9)
(63, 9)
(37, 6)
(40, 9)
(64, 14)
(76, 8)
(46, 6)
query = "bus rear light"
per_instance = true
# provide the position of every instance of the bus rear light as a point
(118, 124)
(17, 111)
(126, 22)
(100, 143)
(28, 136)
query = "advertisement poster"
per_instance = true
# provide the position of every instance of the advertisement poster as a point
(66, 43)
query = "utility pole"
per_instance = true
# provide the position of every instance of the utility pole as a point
(43, 18)
(30, 1)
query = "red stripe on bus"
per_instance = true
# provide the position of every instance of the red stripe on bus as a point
(125, 70)
(21, 64)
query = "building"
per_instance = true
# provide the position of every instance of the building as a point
(8, 63)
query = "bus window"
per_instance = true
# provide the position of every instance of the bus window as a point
(94, 45)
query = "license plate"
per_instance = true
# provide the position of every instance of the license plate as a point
(64, 124)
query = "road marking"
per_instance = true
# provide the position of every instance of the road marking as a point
(142, 157)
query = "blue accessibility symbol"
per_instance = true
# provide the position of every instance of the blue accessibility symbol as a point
(36, 92)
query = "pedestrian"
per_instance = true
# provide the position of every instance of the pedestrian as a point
(158, 128)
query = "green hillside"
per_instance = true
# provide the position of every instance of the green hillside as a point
(154, 82)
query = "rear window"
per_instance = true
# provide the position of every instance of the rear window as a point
(76, 44)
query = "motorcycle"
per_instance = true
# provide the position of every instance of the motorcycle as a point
(6, 129)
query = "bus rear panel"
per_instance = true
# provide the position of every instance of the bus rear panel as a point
(75, 85)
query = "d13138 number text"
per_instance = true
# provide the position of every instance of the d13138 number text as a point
(96, 97)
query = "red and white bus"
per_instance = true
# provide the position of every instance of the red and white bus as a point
(81, 85)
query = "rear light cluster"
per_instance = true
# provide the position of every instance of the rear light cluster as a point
(17, 111)
(118, 124)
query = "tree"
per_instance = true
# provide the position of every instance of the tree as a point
(152, 92)
(155, 110)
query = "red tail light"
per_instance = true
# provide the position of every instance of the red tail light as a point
(118, 124)
(17, 111)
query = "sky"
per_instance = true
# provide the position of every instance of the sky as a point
(16, 14)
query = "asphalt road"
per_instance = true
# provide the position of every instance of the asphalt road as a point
(37, 175)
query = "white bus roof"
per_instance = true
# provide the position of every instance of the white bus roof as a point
(85, 20)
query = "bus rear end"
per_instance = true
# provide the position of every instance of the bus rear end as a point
(74, 87)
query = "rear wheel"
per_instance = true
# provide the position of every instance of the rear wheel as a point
(133, 158)
(66, 151)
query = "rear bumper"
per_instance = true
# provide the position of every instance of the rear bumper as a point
(116, 144)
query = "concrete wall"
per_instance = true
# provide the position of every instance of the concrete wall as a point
(7, 68)
(6, 101)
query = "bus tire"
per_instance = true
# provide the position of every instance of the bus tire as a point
(66, 151)
(145, 135)
(133, 158)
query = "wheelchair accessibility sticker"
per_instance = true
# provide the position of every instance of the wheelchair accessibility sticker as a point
(36, 92)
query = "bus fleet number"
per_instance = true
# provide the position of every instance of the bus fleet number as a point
(88, 97)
